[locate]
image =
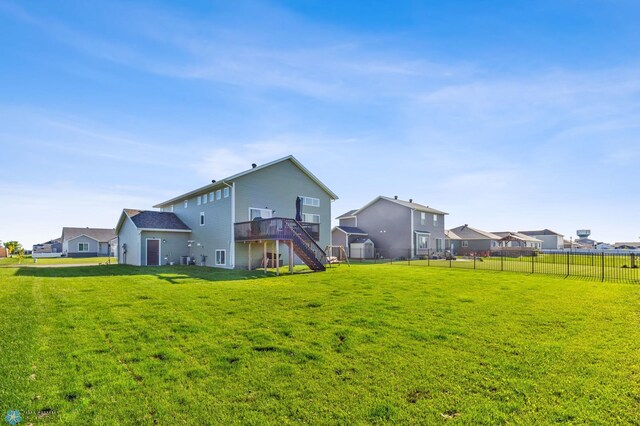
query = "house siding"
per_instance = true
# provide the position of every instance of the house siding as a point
(72, 247)
(130, 236)
(349, 221)
(276, 188)
(173, 245)
(475, 246)
(389, 227)
(435, 232)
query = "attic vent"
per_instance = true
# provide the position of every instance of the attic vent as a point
(254, 165)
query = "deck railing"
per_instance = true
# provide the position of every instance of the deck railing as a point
(272, 229)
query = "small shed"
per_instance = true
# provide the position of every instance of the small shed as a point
(361, 248)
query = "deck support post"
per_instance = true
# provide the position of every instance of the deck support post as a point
(277, 257)
(249, 255)
(291, 258)
(265, 261)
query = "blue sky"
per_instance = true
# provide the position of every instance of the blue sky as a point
(508, 114)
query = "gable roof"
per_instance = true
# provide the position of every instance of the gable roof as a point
(507, 235)
(101, 235)
(465, 232)
(408, 204)
(153, 220)
(351, 230)
(541, 232)
(350, 213)
(451, 235)
(224, 182)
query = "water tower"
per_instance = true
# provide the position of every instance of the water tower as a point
(583, 233)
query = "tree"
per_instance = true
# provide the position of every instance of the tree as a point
(13, 247)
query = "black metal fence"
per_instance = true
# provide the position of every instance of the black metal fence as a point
(616, 266)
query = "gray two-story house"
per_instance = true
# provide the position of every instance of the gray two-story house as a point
(269, 215)
(397, 228)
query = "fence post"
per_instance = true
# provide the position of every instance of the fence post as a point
(602, 259)
(568, 260)
(533, 266)
(409, 257)
(501, 261)
(429, 257)
(474, 260)
(450, 259)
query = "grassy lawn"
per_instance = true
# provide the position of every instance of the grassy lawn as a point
(366, 344)
(28, 261)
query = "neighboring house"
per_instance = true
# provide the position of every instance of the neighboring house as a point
(4, 252)
(627, 245)
(465, 240)
(603, 246)
(550, 240)
(52, 246)
(396, 227)
(518, 241)
(87, 242)
(237, 222)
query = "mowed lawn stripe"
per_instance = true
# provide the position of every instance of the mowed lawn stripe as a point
(366, 344)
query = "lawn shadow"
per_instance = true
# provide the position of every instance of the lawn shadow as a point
(171, 274)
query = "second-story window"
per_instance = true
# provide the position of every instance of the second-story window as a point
(211, 197)
(199, 200)
(204, 199)
(186, 203)
(171, 208)
(309, 201)
(435, 220)
(226, 192)
(423, 218)
(218, 194)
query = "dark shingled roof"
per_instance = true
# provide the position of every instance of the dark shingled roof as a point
(102, 235)
(351, 230)
(360, 240)
(146, 219)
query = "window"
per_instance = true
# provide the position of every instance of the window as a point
(201, 218)
(255, 213)
(186, 203)
(199, 200)
(310, 218)
(423, 218)
(171, 208)
(465, 244)
(226, 192)
(423, 241)
(435, 220)
(211, 197)
(221, 257)
(204, 199)
(218, 194)
(439, 244)
(83, 247)
(308, 201)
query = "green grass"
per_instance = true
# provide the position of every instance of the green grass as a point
(360, 345)
(29, 261)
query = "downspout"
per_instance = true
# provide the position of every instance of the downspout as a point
(232, 243)
(412, 234)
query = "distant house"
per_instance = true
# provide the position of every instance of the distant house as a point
(518, 240)
(397, 228)
(634, 245)
(550, 240)
(242, 221)
(4, 252)
(87, 242)
(50, 247)
(465, 240)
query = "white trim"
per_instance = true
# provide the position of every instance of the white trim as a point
(311, 204)
(164, 230)
(215, 257)
(146, 252)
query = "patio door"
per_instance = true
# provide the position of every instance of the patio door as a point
(153, 252)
